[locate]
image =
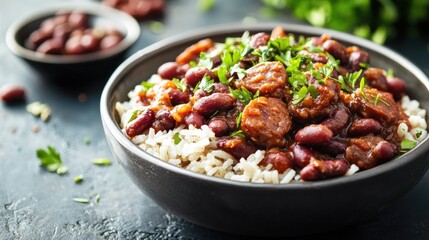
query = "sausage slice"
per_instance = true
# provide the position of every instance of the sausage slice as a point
(266, 121)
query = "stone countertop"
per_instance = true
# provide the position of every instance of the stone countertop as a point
(36, 204)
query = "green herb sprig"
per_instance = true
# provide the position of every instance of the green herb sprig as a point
(50, 159)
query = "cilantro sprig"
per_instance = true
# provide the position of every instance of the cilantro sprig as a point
(243, 95)
(206, 84)
(50, 159)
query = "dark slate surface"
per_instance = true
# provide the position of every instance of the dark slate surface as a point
(35, 204)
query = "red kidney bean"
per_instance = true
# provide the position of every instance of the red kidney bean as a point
(220, 88)
(194, 119)
(163, 121)
(376, 78)
(170, 70)
(320, 169)
(78, 20)
(238, 147)
(332, 148)
(315, 134)
(336, 49)
(177, 96)
(397, 87)
(51, 46)
(73, 46)
(219, 126)
(316, 57)
(301, 155)
(194, 75)
(47, 26)
(110, 41)
(364, 126)
(337, 120)
(280, 160)
(259, 39)
(384, 151)
(90, 42)
(210, 104)
(36, 38)
(12, 93)
(355, 60)
(141, 123)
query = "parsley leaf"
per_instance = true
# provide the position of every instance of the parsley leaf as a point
(238, 133)
(206, 84)
(243, 95)
(78, 179)
(179, 84)
(50, 159)
(221, 73)
(418, 133)
(407, 144)
(102, 161)
(176, 138)
(81, 200)
(313, 91)
(146, 85)
(205, 61)
(133, 115)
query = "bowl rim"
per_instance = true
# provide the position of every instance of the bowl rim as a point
(111, 126)
(97, 9)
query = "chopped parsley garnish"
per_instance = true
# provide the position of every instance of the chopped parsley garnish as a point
(407, 144)
(78, 179)
(102, 161)
(97, 198)
(87, 140)
(176, 138)
(418, 133)
(146, 86)
(133, 115)
(238, 122)
(349, 82)
(222, 75)
(179, 84)
(205, 61)
(81, 200)
(50, 159)
(238, 133)
(206, 84)
(243, 95)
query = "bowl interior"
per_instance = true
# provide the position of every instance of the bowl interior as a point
(144, 63)
(98, 16)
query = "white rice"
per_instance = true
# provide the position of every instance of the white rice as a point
(197, 150)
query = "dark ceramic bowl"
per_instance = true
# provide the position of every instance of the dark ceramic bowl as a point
(262, 209)
(57, 66)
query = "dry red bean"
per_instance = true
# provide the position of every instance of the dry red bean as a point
(337, 120)
(336, 49)
(384, 151)
(110, 41)
(194, 119)
(48, 26)
(212, 103)
(332, 148)
(219, 126)
(12, 93)
(315, 134)
(259, 39)
(51, 46)
(301, 155)
(141, 123)
(177, 96)
(376, 78)
(397, 87)
(90, 42)
(78, 20)
(280, 160)
(73, 46)
(170, 70)
(238, 147)
(320, 169)
(36, 38)
(364, 126)
(356, 59)
(194, 75)
(163, 121)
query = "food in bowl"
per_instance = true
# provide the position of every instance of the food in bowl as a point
(273, 109)
(69, 33)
